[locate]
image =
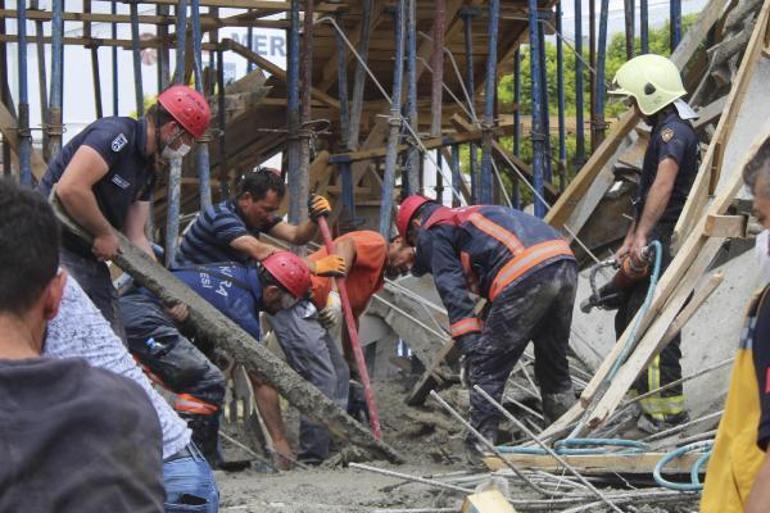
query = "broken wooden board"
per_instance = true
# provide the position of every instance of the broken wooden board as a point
(215, 326)
(9, 131)
(597, 464)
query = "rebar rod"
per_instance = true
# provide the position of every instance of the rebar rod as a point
(394, 121)
(23, 134)
(681, 427)
(408, 477)
(488, 125)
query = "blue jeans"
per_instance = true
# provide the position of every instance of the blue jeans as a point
(189, 482)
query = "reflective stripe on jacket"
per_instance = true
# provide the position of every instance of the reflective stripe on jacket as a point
(481, 250)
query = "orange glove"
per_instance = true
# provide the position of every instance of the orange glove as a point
(332, 265)
(318, 206)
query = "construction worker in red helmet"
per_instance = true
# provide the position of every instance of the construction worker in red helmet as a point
(104, 177)
(654, 86)
(161, 339)
(526, 273)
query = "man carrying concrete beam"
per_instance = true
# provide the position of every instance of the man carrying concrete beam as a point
(240, 291)
(75, 438)
(308, 332)
(526, 273)
(104, 177)
(738, 474)
(669, 169)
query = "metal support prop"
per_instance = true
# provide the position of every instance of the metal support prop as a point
(389, 178)
(292, 84)
(561, 100)
(164, 71)
(439, 176)
(488, 125)
(24, 136)
(359, 79)
(5, 96)
(345, 171)
(598, 124)
(136, 55)
(250, 45)
(57, 79)
(202, 154)
(224, 179)
(42, 72)
(538, 138)
(412, 184)
(115, 105)
(630, 15)
(457, 178)
(305, 140)
(467, 16)
(516, 186)
(592, 61)
(181, 36)
(644, 26)
(580, 140)
(437, 63)
(676, 23)
(546, 115)
(97, 80)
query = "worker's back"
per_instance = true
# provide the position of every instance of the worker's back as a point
(76, 439)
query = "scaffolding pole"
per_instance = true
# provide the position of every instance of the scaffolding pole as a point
(467, 14)
(676, 23)
(203, 161)
(164, 70)
(224, 179)
(488, 125)
(412, 183)
(136, 55)
(5, 96)
(545, 116)
(457, 178)
(580, 140)
(42, 73)
(23, 134)
(515, 186)
(359, 79)
(305, 139)
(293, 115)
(394, 122)
(598, 123)
(561, 100)
(592, 62)
(538, 138)
(114, 33)
(437, 82)
(630, 19)
(57, 79)
(644, 26)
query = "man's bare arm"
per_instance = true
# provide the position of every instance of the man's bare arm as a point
(294, 234)
(74, 190)
(136, 222)
(759, 497)
(253, 247)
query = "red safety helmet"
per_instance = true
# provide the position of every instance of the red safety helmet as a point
(188, 107)
(407, 210)
(290, 271)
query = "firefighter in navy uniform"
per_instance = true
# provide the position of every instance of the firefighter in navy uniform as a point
(161, 339)
(527, 274)
(669, 169)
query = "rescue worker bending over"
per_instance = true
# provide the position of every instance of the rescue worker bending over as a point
(239, 291)
(104, 179)
(308, 332)
(669, 169)
(738, 474)
(527, 274)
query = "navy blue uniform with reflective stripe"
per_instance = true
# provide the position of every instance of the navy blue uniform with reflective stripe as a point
(208, 238)
(122, 143)
(673, 138)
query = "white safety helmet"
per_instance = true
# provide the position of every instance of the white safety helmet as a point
(653, 80)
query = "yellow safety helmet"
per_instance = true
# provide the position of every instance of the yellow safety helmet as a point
(653, 80)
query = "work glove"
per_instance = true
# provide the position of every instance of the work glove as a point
(318, 206)
(331, 315)
(332, 265)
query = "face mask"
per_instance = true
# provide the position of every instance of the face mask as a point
(169, 153)
(762, 250)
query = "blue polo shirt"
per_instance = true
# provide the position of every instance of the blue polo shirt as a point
(122, 143)
(672, 137)
(208, 238)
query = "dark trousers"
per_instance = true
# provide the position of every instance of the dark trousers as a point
(666, 367)
(94, 278)
(154, 339)
(538, 308)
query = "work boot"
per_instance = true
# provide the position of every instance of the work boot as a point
(205, 430)
(650, 425)
(357, 402)
(475, 450)
(556, 405)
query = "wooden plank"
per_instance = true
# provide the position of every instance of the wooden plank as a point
(8, 129)
(218, 328)
(710, 113)
(728, 226)
(275, 70)
(597, 464)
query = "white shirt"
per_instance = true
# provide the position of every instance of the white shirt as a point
(80, 331)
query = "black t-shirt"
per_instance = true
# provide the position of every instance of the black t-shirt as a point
(672, 137)
(76, 439)
(122, 143)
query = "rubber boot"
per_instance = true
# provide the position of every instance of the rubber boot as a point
(556, 405)
(475, 450)
(205, 434)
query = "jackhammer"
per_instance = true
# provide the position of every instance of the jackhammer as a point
(628, 272)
